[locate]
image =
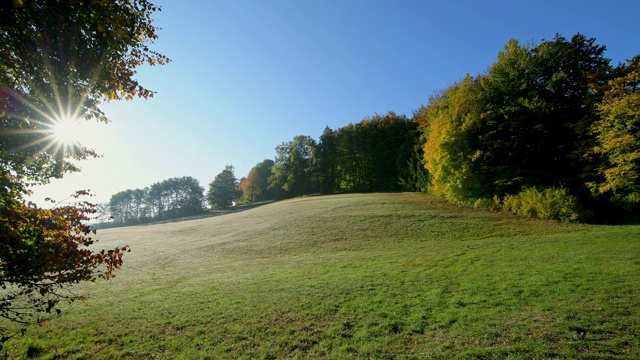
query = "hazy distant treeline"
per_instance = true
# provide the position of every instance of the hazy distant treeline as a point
(171, 198)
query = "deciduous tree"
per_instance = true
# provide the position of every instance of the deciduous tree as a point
(223, 190)
(256, 186)
(43, 252)
(294, 167)
(448, 150)
(618, 137)
(187, 196)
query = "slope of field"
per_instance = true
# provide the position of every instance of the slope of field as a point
(371, 276)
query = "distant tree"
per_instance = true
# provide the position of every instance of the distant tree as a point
(103, 213)
(187, 196)
(392, 133)
(355, 157)
(223, 190)
(618, 138)
(294, 168)
(157, 200)
(139, 208)
(120, 206)
(167, 199)
(255, 187)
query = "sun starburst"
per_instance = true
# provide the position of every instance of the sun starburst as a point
(67, 131)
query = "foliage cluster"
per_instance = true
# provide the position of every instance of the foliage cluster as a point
(618, 138)
(168, 199)
(255, 187)
(44, 252)
(293, 171)
(367, 156)
(224, 190)
(62, 60)
(445, 125)
(547, 204)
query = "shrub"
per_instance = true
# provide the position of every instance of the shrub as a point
(494, 204)
(546, 204)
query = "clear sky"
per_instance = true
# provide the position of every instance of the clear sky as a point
(248, 75)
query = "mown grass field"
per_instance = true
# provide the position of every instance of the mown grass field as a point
(376, 276)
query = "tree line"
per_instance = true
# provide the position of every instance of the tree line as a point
(550, 130)
(171, 198)
(378, 153)
(368, 156)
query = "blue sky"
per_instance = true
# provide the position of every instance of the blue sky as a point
(248, 75)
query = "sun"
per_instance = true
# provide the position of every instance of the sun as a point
(68, 131)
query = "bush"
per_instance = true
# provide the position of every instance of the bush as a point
(494, 204)
(546, 204)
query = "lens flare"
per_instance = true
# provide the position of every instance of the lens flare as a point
(67, 131)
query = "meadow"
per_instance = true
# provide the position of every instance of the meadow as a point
(360, 276)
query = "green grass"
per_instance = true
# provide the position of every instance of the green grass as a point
(377, 276)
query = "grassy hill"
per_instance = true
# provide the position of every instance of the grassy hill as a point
(379, 276)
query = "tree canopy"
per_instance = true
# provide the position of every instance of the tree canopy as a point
(537, 103)
(366, 156)
(255, 187)
(618, 137)
(294, 167)
(168, 199)
(371, 155)
(223, 190)
(448, 152)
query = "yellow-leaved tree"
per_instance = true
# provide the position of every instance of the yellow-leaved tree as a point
(618, 137)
